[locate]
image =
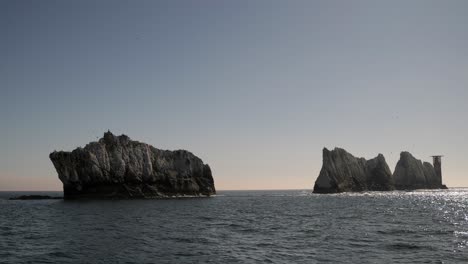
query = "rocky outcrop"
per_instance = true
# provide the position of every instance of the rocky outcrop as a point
(342, 172)
(410, 173)
(117, 167)
(35, 197)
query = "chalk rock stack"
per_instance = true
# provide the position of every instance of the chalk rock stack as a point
(342, 172)
(117, 167)
(410, 173)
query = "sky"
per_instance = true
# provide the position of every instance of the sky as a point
(255, 88)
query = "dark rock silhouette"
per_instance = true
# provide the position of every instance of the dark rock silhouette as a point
(410, 173)
(35, 197)
(342, 172)
(117, 167)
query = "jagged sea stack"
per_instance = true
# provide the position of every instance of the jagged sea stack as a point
(342, 172)
(411, 173)
(117, 167)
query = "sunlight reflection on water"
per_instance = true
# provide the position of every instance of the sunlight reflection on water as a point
(241, 227)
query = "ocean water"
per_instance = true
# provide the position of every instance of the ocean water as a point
(240, 227)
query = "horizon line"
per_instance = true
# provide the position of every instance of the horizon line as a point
(291, 189)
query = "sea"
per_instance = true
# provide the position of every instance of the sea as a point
(290, 226)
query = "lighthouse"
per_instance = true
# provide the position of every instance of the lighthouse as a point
(437, 162)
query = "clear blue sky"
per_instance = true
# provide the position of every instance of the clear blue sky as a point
(255, 88)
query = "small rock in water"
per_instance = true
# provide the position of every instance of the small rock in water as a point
(35, 197)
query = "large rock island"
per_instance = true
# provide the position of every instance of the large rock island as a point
(118, 167)
(342, 172)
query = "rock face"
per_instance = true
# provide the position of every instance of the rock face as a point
(410, 173)
(117, 167)
(342, 172)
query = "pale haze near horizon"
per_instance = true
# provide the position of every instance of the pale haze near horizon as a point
(254, 88)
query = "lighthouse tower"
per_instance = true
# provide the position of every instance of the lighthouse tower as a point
(437, 162)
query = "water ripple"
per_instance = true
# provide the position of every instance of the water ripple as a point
(241, 227)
